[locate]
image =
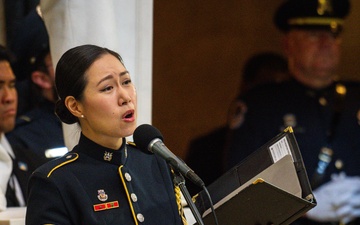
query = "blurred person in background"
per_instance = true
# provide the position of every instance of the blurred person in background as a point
(38, 132)
(206, 153)
(323, 110)
(13, 175)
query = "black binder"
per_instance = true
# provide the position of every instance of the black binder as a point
(270, 186)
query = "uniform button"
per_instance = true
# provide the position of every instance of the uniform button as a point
(140, 217)
(339, 164)
(133, 197)
(322, 101)
(127, 177)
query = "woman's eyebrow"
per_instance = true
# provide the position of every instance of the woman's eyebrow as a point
(124, 73)
(108, 77)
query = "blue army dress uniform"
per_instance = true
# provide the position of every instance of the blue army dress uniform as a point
(36, 132)
(96, 185)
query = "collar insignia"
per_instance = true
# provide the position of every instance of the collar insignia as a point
(108, 156)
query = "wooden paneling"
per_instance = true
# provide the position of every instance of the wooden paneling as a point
(199, 50)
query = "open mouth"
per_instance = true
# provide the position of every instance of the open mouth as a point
(128, 114)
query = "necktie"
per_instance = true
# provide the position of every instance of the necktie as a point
(10, 191)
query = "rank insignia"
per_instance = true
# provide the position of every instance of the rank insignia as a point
(102, 196)
(105, 206)
(108, 156)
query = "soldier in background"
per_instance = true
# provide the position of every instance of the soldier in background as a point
(206, 152)
(38, 135)
(323, 111)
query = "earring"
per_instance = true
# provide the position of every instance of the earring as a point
(82, 116)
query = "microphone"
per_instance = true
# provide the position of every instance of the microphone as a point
(149, 138)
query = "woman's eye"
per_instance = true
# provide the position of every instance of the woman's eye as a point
(126, 82)
(107, 88)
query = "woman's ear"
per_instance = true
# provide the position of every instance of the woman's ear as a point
(73, 106)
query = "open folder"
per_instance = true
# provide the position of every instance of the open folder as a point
(270, 186)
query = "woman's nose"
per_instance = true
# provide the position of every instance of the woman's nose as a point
(125, 100)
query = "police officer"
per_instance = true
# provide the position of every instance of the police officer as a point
(323, 111)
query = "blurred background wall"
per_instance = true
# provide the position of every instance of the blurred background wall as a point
(199, 49)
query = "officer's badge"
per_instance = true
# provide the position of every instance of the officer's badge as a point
(102, 196)
(324, 6)
(108, 156)
(289, 120)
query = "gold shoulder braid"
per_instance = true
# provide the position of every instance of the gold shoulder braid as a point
(178, 202)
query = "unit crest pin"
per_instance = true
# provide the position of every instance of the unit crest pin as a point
(102, 196)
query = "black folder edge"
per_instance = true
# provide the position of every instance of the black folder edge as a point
(252, 165)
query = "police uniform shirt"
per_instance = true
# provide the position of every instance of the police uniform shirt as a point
(96, 185)
(312, 115)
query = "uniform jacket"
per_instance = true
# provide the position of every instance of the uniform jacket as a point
(35, 132)
(96, 185)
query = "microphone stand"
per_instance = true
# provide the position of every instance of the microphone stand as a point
(180, 181)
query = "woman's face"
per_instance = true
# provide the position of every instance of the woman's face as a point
(109, 103)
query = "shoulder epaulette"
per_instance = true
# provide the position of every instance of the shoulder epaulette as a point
(24, 119)
(131, 143)
(71, 157)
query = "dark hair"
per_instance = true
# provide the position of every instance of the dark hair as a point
(6, 55)
(262, 68)
(34, 96)
(39, 60)
(70, 77)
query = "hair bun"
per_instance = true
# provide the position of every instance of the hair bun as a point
(64, 114)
